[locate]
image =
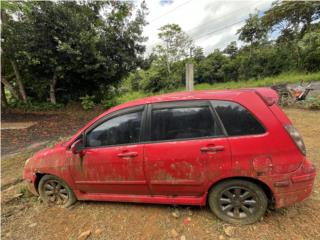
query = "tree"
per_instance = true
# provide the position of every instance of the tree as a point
(291, 17)
(310, 49)
(197, 54)
(292, 20)
(211, 68)
(253, 31)
(11, 48)
(75, 48)
(232, 49)
(176, 45)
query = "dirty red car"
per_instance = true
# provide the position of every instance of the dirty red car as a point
(234, 150)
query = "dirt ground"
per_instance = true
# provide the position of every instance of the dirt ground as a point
(25, 217)
(49, 126)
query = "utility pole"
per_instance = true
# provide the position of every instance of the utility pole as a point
(189, 77)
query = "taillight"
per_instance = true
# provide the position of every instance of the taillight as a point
(296, 137)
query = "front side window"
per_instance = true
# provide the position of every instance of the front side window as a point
(183, 122)
(122, 129)
(237, 120)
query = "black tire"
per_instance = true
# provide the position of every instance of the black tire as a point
(53, 190)
(238, 201)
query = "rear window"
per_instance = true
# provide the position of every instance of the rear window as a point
(236, 119)
(183, 123)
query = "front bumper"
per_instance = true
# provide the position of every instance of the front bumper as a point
(29, 178)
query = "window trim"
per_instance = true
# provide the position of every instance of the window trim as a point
(181, 104)
(140, 108)
(212, 103)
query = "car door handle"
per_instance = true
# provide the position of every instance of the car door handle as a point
(212, 149)
(128, 155)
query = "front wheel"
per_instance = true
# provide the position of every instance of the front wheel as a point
(238, 201)
(53, 190)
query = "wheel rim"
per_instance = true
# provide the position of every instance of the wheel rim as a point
(238, 202)
(55, 192)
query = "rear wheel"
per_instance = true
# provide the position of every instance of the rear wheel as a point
(53, 190)
(238, 201)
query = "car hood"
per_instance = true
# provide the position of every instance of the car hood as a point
(47, 157)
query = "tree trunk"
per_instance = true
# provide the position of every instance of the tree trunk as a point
(19, 81)
(168, 61)
(10, 88)
(52, 92)
(4, 102)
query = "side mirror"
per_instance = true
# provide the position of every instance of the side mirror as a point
(77, 146)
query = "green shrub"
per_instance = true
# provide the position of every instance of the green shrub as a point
(87, 102)
(109, 97)
(109, 103)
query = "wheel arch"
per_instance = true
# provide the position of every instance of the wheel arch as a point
(40, 175)
(37, 180)
(267, 190)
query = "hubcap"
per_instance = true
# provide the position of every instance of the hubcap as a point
(238, 202)
(56, 192)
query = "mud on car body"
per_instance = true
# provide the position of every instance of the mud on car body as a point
(234, 150)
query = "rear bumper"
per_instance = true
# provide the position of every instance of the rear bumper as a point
(299, 186)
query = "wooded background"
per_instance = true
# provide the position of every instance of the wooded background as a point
(61, 51)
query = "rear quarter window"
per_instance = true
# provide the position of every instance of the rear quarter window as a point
(237, 120)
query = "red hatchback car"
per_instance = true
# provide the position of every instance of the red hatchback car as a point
(234, 150)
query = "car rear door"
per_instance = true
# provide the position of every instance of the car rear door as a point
(186, 148)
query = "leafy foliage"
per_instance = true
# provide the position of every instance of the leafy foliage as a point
(253, 31)
(284, 39)
(87, 102)
(70, 49)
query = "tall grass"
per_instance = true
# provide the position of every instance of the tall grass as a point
(283, 78)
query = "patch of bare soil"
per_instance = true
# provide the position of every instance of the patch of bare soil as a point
(49, 126)
(25, 217)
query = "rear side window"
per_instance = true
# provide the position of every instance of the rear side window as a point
(237, 120)
(183, 122)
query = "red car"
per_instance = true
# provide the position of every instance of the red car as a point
(234, 150)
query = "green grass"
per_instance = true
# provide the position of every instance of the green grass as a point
(129, 96)
(268, 81)
(291, 77)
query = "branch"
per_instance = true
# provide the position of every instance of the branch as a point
(10, 88)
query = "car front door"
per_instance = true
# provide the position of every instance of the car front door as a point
(112, 160)
(186, 149)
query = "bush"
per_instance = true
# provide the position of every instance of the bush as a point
(87, 102)
(109, 103)
(109, 97)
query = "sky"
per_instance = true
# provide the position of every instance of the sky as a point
(210, 23)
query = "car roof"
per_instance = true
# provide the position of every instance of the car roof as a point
(185, 96)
